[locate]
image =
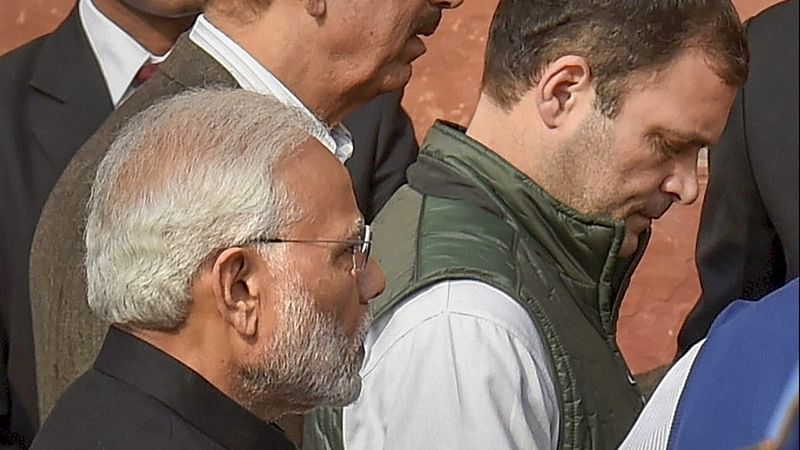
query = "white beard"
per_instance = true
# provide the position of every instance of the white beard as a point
(310, 361)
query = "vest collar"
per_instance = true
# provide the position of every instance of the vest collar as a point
(585, 249)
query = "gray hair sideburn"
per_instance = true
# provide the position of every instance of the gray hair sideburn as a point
(189, 176)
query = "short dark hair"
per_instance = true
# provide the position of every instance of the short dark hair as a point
(618, 38)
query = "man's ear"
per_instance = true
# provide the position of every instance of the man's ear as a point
(237, 290)
(565, 83)
(316, 8)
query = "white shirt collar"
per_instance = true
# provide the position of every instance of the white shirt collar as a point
(119, 55)
(253, 76)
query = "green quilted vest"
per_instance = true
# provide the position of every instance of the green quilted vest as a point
(468, 214)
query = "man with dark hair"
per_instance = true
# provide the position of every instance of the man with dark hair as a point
(508, 253)
(54, 93)
(340, 61)
(748, 242)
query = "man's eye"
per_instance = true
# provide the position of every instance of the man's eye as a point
(665, 148)
(345, 251)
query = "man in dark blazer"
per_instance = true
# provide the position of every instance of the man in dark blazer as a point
(66, 335)
(47, 110)
(53, 96)
(748, 240)
(219, 327)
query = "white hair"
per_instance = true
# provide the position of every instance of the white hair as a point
(188, 177)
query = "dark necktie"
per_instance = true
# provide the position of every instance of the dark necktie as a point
(144, 74)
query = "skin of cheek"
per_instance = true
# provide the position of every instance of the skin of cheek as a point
(640, 176)
(335, 292)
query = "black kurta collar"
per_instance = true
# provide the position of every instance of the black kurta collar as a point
(158, 375)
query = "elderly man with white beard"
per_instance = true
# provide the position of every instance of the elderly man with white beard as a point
(236, 286)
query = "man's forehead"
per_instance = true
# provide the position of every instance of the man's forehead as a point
(677, 77)
(685, 106)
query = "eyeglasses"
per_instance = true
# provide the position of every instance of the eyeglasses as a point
(361, 247)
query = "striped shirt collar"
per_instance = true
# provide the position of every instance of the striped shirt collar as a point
(253, 76)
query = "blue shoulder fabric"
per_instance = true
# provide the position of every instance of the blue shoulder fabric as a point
(784, 428)
(740, 375)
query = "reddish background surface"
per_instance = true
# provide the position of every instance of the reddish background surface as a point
(445, 85)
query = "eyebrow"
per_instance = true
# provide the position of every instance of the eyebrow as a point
(684, 138)
(355, 230)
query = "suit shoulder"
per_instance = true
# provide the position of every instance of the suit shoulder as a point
(776, 25)
(17, 66)
(24, 54)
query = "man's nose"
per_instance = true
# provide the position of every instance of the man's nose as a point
(447, 4)
(371, 282)
(682, 183)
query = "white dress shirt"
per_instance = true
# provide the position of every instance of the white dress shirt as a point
(654, 425)
(460, 365)
(119, 55)
(253, 76)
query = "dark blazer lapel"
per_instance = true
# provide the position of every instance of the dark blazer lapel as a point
(190, 66)
(70, 99)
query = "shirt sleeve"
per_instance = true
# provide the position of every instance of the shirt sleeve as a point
(653, 427)
(458, 366)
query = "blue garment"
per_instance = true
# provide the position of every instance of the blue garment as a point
(786, 412)
(738, 382)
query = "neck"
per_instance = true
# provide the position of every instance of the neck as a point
(268, 410)
(280, 47)
(494, 128)
(198, 351)
(156, 34)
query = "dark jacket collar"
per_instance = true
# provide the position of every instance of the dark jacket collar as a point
(158, 375)
(584, 249)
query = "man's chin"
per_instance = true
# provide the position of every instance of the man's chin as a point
(346, 397)
(397, 78)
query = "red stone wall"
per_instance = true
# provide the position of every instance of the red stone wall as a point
(445, 85)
